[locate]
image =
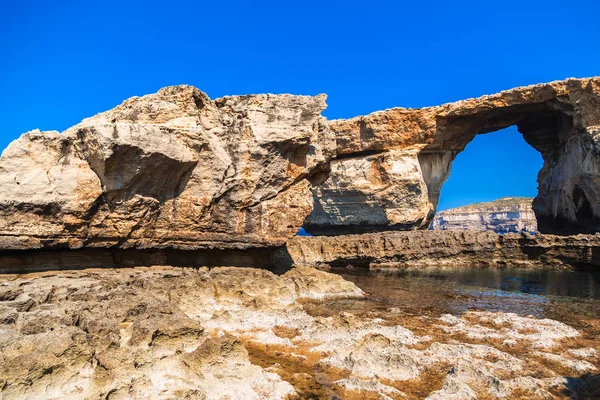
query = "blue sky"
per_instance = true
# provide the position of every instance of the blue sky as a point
(494, 165)
(64, 61)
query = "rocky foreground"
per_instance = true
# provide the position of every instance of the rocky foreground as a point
(233, 333)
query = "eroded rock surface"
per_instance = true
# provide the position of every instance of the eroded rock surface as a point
(395, 161)
(383, 191)
(148, 332)
(391, 250)
(234, 333)
(506, 215)
(171, 169)
(176, 169)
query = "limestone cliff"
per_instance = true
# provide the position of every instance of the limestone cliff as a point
(395, 161)
(171, 169)
(177, 170)
(505, 215)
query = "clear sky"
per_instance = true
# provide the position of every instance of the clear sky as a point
(66, 60)
(494, 165)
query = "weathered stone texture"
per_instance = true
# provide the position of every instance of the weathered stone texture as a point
(378, 192)
(392, 250)
(171, 169)
(141, 333)
(560, 119)
(246, 334)
(176, 169)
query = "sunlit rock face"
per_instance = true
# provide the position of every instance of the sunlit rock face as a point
(151, 333)
(171, 169)
(370, 193)
(560, 119)
(176, 169)
(506, 215)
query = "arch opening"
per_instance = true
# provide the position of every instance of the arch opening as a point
(548, 127)
(491, 185)
(393, 164)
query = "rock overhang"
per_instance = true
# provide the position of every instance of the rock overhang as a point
(171, 169)
(178, 170)
(558, 119)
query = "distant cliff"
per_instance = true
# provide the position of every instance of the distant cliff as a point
(508, 214)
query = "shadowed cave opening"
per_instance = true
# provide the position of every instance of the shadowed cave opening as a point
(493, 166)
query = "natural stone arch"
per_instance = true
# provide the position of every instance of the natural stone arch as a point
(561, 120)
(548, 128)
(177, 170)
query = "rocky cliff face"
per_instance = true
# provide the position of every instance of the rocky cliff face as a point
(178, 170)
(383, 191)
(509, 214)
(396, 160)
(172, 169)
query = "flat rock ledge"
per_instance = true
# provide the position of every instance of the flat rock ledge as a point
(391, 250)
(383, 250)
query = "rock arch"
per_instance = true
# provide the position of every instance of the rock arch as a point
(391, 164)
(177, 170)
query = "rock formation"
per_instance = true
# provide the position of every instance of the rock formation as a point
(175, 178)
(177, 170)
(393, 250)
(172, 169)
(506, 215)
(390, 165)
(159, 333)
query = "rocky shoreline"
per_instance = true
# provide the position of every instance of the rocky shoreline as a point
(418, 249)
(97, 222)
(383, 250)
(244, 333)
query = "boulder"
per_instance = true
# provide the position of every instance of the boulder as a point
(173, 169)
